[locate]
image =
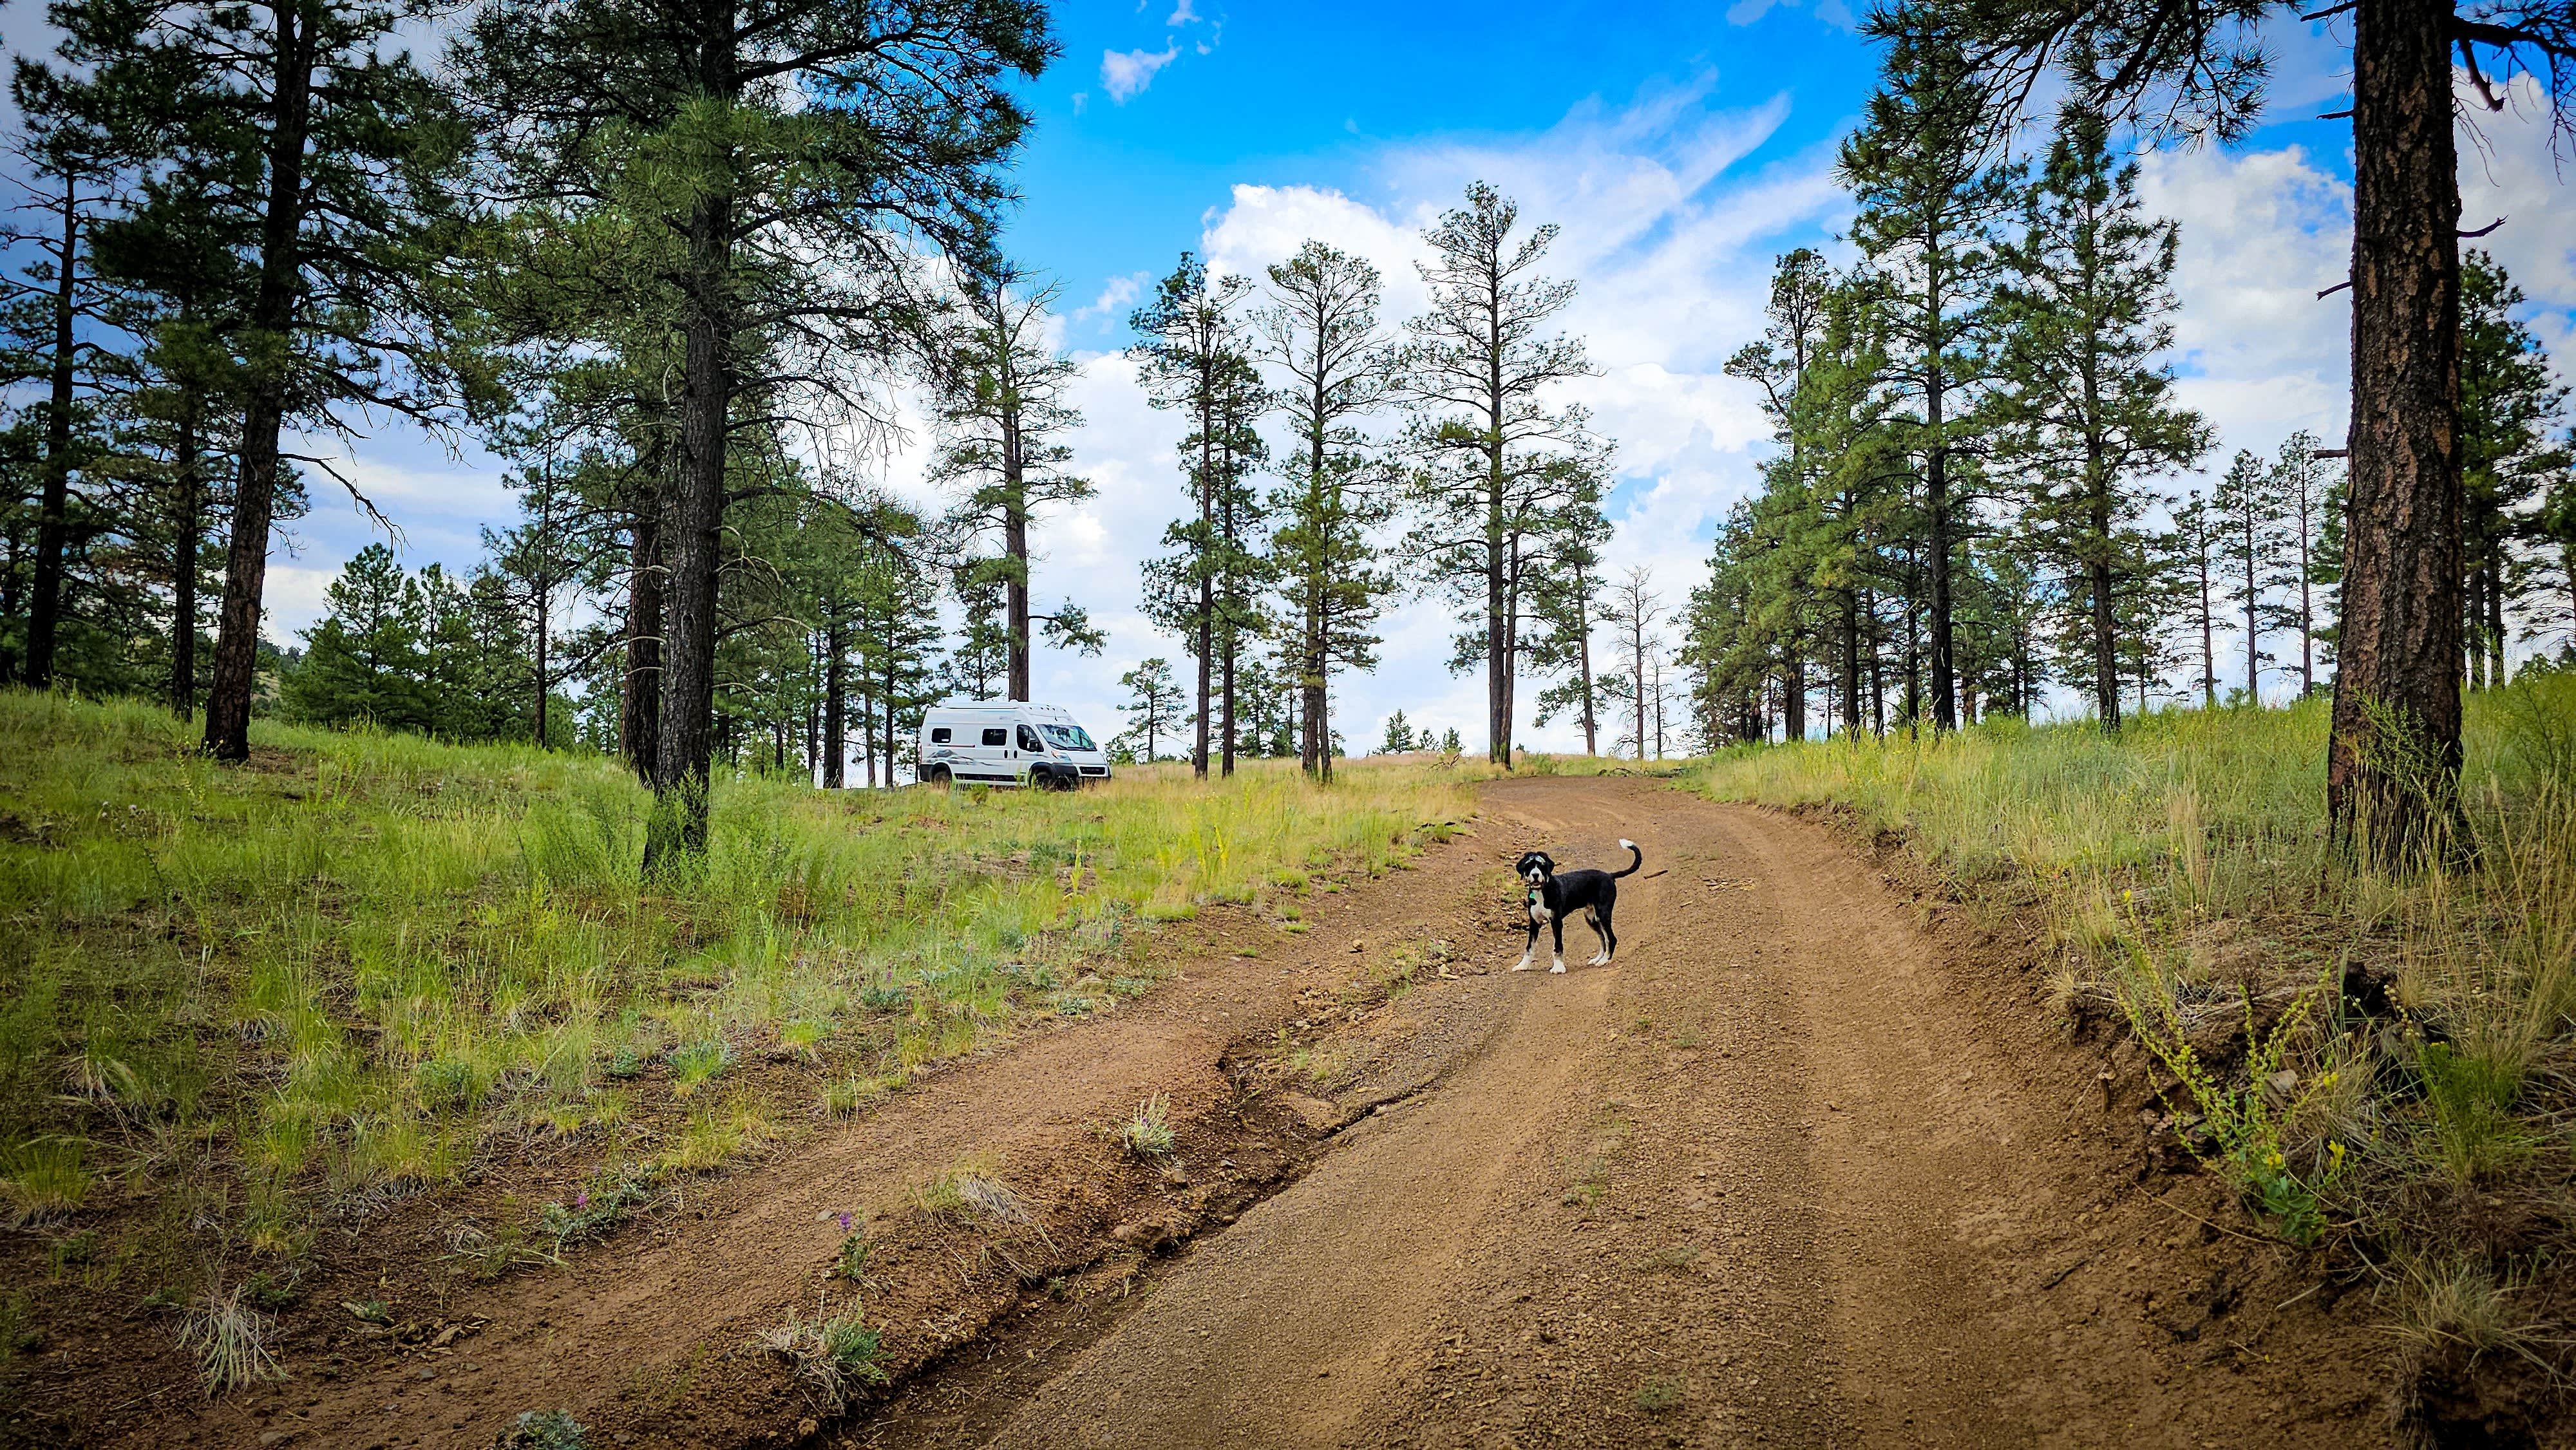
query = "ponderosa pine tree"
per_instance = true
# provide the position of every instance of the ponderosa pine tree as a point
(1634, 614)
(2085, 406)
(2195, 69)
(1565, 601)
(1321, 330)
(2303, 488)
(2511, 408)
(1789, 365)
(1003, 419)
(46, 313)
(2193, 549)
(1195, 358)
(762, 178)
(1929, 208)
(2250, 544)
(1500, 478)
(324, 159)
(1154, 703)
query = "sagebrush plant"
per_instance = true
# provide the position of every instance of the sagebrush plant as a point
(364, 960)
(2186, 868)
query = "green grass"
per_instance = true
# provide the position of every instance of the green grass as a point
(368, 962)
(2194, 898)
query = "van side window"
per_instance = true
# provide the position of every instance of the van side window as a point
(996, 735)
(939, 735)
(1029, 739)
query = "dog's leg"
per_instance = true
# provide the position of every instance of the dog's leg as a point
(1558, 955)
(1609, 938)
(1530, 946)
(1600, 925)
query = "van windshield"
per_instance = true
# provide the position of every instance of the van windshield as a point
(1068, 737)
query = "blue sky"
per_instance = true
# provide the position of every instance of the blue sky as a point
(1680, 148)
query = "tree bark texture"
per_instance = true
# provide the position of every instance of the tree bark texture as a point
(2393, 758)
(272, 318)
(44, 613)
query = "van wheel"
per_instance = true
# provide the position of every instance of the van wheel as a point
(1066, 780)
(937, 775)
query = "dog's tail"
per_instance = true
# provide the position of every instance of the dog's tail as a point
(1636, 858)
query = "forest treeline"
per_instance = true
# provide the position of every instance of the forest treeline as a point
(677, 265)
(1984, 481)
(679, 268)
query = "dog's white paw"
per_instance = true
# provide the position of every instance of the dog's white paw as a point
(1598, 961)
(1560, 965)
(1524, 965)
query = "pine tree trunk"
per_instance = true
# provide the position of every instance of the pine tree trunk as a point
(836, 704)
(684, 758)
(2097, 578)
(2401, 590)
(189, 525)
(272, 320)
(1851, 662)
(1015, 547)
(639, 717)
(1794, 700)
(44, 614)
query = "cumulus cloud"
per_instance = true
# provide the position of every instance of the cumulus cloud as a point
(1125, 74)
(1670, 234)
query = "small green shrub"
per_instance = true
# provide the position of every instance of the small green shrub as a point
(1659, 1393)
(547, 1430)
(1148, 1133)
(695, 1064)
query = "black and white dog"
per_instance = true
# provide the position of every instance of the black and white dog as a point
(1552, 896)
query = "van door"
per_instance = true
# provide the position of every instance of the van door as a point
(992, 752)
(1027, 747)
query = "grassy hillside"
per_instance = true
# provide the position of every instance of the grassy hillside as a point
(2382, 1063)
(368, 966)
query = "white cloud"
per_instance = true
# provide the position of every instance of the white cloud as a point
(1833, 12)
(1182, 14)
(1126, 73)
(1670, 235)
(1117, 296)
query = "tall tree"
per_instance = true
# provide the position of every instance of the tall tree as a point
(2086, 405)
(1635, 616)
(2511, 406)
(2196, 542)
(1500, 476)
(1154, 703)
(765, 177)
(2303, 488)
(1003, 417)
(1565, 601)
(2251, 543)
(2196, 68)
(1321, 330)
(1929, 206)
(325, 159)
(1195, 358)
(1791, 367)
(45, 312)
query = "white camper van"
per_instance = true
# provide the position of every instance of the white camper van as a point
(1006, 742)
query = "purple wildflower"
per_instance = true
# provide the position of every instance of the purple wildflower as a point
(581, 1200)
(845, 1223)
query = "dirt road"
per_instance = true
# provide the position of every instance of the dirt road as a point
(1809, 1165)
(1767, 1180)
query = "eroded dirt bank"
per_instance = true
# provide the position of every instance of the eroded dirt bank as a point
(1798, 1170)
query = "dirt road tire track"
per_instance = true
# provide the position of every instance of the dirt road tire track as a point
(1773, 1179)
